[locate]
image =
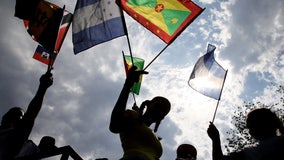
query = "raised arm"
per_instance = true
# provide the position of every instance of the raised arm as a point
(116, 122)
(34, 107)
(213, 133)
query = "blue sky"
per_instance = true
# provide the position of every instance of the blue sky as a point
(248, 36)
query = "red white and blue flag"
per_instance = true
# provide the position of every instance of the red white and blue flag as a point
(47, 57)
(63, 29)
(43, 55)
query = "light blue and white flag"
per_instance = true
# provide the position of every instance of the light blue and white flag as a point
(208, 76)
(95, 22)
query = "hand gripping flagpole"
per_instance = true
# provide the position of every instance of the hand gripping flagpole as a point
(128, 42)
(219, 97)
(126, 75)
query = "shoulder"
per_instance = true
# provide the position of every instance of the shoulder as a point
(130, 114)
(272, 147)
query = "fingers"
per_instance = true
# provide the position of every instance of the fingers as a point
(134, 68)
(142, 72)
(46, 80)
(134, 75)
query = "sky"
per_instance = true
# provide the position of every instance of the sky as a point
(249, 40)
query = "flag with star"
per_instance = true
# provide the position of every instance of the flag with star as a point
(95, 22)
(139, 63)
(164, 18)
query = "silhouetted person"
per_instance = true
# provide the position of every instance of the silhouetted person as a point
(138, 140)
(45, 146)
(16, 125)
(263, 125)
(186, 152)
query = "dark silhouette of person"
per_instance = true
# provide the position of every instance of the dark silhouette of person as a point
(16, 125)
(45, 146)
(186, 152)
(47, 149)
(138, 140)
(264, 126)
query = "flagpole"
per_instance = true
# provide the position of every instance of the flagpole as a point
(219, 97)
(50, 62)
(126, 32)
(134, 97)
(157, 56)
(128, 42)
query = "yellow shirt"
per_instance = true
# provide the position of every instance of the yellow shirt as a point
(139, 139)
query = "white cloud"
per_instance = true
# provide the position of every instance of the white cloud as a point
(249, 39)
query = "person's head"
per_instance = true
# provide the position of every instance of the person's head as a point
(12, 117)
(263, 123)
(157, 109)
(186, 152)
(46, 144)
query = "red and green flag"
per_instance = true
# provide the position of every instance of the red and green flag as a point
(164, 18)
(139, 63)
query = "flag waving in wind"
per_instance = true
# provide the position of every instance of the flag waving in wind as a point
(43, 55)
(45, 26)
(208, 76)
(165, 18)
(95, 22)
(139, 63)
(47, 57)
(63, 29)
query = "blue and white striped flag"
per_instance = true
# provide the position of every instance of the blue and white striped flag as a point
(95, 22)
(208, 76)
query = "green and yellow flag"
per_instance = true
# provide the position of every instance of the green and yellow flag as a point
(139, 63)
(165, 18)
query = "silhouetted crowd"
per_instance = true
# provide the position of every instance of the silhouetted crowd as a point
(138, 140)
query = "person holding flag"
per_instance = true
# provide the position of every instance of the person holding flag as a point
(138, 140)
(16, 125)
(265, 127)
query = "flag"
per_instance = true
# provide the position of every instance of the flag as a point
(63, 29)
(95, 22)
(43, 55)
(164, 18)
(25, 9)
(139, 63)
(208, 76)
(45, 25)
